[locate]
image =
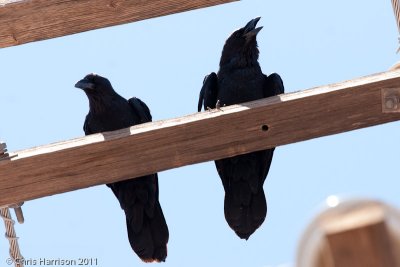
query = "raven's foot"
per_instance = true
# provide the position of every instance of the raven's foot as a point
(217, 107)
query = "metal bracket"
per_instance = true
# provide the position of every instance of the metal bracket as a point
(391, 100)
(18, 211)
(17, 206)
(3, 152)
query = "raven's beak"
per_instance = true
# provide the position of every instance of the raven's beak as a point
(84, 84)
(250, 29)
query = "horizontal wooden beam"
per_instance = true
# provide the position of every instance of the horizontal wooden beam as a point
(24, 21)
(161, 145)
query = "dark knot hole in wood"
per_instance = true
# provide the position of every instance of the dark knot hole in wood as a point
(264, 127)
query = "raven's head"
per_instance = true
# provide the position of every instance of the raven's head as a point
(95, 84)
(241, 47)
(98, 89)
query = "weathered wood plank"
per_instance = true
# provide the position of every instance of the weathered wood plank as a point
(27, 21)
(368, 245)
(162, 145)
(353, 233)
(359, 236)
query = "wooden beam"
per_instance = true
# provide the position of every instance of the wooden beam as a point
(355, 233)
(162, 145)
(24, 21)
(368, 245)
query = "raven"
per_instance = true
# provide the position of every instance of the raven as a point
(108, 111)
(239, 80)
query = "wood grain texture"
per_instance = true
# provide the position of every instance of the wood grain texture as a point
(352, 233)
(34, 20)
(162, 145)
(367, 245)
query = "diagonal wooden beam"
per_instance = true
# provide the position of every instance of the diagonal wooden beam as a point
(24, 21)
(233, 130)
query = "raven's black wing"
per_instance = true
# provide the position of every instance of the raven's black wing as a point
(209, 92)
(140, 109)
(266, 159)
(147, 229)
(86, 127)
(273, 85)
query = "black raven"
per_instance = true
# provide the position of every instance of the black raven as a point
(108, 111)
(239, 80)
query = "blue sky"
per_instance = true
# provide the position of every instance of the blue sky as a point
(163, 61)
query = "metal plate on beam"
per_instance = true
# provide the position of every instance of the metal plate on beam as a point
(391, 100)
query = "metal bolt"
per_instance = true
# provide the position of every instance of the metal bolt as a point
(391, 102)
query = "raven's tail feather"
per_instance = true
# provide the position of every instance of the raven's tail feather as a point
(147, 229)
(150, 241)
(245, 210)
